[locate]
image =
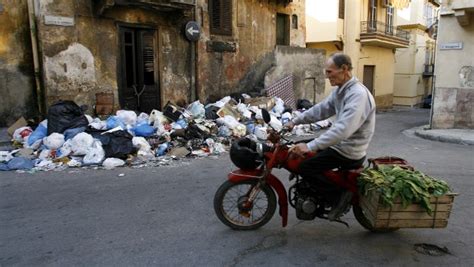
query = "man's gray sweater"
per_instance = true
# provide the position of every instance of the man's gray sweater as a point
(354, 124)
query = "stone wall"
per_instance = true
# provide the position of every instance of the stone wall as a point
(17, 89)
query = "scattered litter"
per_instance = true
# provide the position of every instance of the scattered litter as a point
(121, 175)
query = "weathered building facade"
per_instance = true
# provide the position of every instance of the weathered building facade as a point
(414, 67)
(453, 97)
(138, 51)
(366, 30)
(16, 62)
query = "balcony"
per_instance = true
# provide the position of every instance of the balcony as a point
(156, 5)
(375, 33)
(429, 70)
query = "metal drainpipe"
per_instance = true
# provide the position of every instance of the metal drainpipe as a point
(196, 55)
(34, 46)
(433, 81)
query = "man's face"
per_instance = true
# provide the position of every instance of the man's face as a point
(336, 76)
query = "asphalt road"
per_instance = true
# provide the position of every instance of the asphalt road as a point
(163, 216)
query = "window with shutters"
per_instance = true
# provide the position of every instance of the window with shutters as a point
(220, 17)
(341, 8)
(389, 20)
(372, 18)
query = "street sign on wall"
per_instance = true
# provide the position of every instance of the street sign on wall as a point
(60, 21)
(192, 31)
(451, 46)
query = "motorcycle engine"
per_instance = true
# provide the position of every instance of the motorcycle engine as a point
(306, 201)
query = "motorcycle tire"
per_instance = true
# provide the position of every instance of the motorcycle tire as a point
(245, 222)
(362, 220)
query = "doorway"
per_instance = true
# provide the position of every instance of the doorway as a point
(283, 29)
(139, 88)
(369, 71)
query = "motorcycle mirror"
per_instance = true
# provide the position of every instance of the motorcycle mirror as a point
(266, 116)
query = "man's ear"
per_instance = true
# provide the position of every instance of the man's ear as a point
(344, 67)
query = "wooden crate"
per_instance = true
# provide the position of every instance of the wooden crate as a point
(413, 216)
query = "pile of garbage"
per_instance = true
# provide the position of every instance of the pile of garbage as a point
(70, 138)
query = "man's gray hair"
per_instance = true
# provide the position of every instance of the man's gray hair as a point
(340, 59)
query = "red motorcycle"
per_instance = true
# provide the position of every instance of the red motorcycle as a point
(247, 200)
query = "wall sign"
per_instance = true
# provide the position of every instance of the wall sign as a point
(192, 31)
(60, 21)
(451, 46)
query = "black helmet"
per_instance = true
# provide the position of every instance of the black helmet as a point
(244, 155)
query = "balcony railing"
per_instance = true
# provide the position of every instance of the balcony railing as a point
(378, 27)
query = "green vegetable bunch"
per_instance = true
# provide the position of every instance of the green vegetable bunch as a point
(411, 186)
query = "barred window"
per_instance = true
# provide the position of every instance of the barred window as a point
(220, 13)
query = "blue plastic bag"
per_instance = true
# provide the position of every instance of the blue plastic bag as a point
(20, 163)
(143, 130)
(114, 121)
(39, 133)
(4, 167)
(70, 133)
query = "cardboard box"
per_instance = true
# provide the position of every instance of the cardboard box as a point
(21, 122)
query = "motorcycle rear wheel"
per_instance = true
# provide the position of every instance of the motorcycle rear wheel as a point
(229, 203)
(362, 220)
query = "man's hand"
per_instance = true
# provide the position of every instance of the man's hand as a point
(299, 150)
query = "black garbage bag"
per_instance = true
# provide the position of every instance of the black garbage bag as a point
(303, 104)
(211, 113)
(65, 115)
(117, 144)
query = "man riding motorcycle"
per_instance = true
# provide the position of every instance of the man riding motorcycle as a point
(344, 145)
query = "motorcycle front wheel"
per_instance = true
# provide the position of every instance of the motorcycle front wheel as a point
(234, 210)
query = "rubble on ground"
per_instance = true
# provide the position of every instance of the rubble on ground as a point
(70, 139)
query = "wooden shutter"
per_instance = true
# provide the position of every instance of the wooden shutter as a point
(220, 12)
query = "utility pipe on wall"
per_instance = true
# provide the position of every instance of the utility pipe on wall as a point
(34, 46)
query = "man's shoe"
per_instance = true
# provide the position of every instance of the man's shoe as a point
(342, 207)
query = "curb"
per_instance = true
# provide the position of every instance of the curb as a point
(445, 139)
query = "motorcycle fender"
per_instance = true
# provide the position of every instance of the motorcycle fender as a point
(240, 175)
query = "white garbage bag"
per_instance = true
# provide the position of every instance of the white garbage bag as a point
(45, 154)
(197, 110)
(98, 124)
(95, 153)
(279, 106)
(89, 118)
(21, 134)
(66, 149)
(129, 117)
(260, 132)
(243, 109)
(142, 118)
(275, 123)
(54, 141)
(5, 156)
(144, 148)
(81, 143)
(157, 118)
(110, 163)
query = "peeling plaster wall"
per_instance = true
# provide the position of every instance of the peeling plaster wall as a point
(253, 39)
(307, 67)
(16, 64)
(83, 59)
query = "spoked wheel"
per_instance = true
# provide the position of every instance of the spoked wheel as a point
(234, 210)
(362, 219)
